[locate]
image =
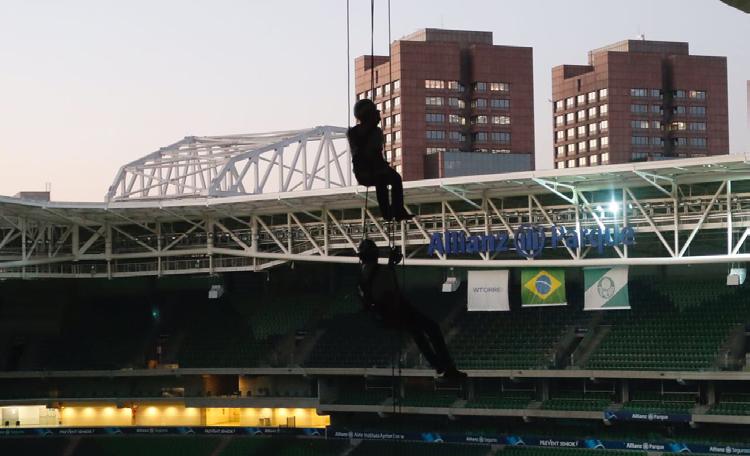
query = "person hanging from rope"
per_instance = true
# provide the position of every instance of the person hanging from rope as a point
(379, 291)
(370, 168)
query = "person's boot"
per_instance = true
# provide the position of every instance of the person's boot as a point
(402, 214)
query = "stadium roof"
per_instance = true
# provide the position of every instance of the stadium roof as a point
(682, 171)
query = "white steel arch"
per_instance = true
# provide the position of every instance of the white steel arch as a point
(247, 164)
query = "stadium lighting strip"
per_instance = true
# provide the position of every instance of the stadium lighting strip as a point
(688, 211)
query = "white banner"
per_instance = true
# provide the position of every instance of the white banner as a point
(488, 290)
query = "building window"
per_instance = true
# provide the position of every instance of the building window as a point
(605, 158)
(479, 120)
(603, 125)
(697, 111)
(698, 142)
(560, 151)
(500, 103)
(594, 160)
(387, 122)
(500, 137)
(561, 165)
(639, 124)
(480, 86)
(456, 119)
(582, 131)
(639, 109)
(397, 153)
(638, 92)
(379, 91)
(571, 149)
(560, 135)
(432, 117)
(593, 144)
(433, 101)
(581, 115)
(603, 94)
(501, 120)
(572, 163)
(697, 126)
(638, 156)
(456, 103)
(604, 142)
(591, 97)
(479, 103)
(570, 118)
(499, 87)
(570, 102)
(434, 150)
(397, 136)
(396, 102)
(386, 90)
(592, 128)
(455, 85)
(387, 138)
(639, 140)
(559, 121)
(582, 147)
(603, 110)
(656, 109)
(678, 110)
(435, 135)
(678, 126)
(656, 93)
(397, 119)
(571, 133)
(581, 100)
(500, 151)
(680, 141)
(582, 161)
(657, 141)
(396, 85)
(382, 106)
(697, 94)
(360, 96)
(480, 136)
(558, 105)
(679, 93)
(656, 124)
(457, 136)
(434, 84)
(592, 113)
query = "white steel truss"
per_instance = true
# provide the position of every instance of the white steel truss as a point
(682, 212)
(216, 166)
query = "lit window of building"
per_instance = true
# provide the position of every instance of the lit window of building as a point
(604, 142)
(603, 110)
(604, 125)
(592, 113)
(571, 133)
(593, 144)
(432, 117)
(570, 102)
(572, 163)
(638, 92)
(499, 87)
(592, 128)
(582, 131)
(456, 119)
(603, 93)
(594, 160)
(581, 115)
(697, 94)
(591, 97)
(434, 84)
(581, 100)
(582, 161)
(455, 85)
(480, 86)
(605, 158)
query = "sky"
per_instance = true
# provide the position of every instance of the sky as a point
(86, 86)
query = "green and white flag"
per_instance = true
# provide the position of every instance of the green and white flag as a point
(542, 287)
(606, 288)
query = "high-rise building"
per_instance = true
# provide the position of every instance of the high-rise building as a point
(639, 100)
(452, 103)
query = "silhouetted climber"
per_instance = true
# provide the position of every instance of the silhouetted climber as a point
(370, 168)
(380, 294)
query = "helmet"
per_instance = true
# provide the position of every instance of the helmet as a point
(364, 108)
(368, 251)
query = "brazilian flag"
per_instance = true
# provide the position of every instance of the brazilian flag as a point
(543, 287)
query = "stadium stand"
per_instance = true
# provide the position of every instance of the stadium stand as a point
(375, 448)
(504, 400)
(732, 404)
(130, 445)
(593, 401)
(655, 402)
(681, 328)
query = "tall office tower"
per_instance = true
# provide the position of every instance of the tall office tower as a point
(452, 103)
(639, 100)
